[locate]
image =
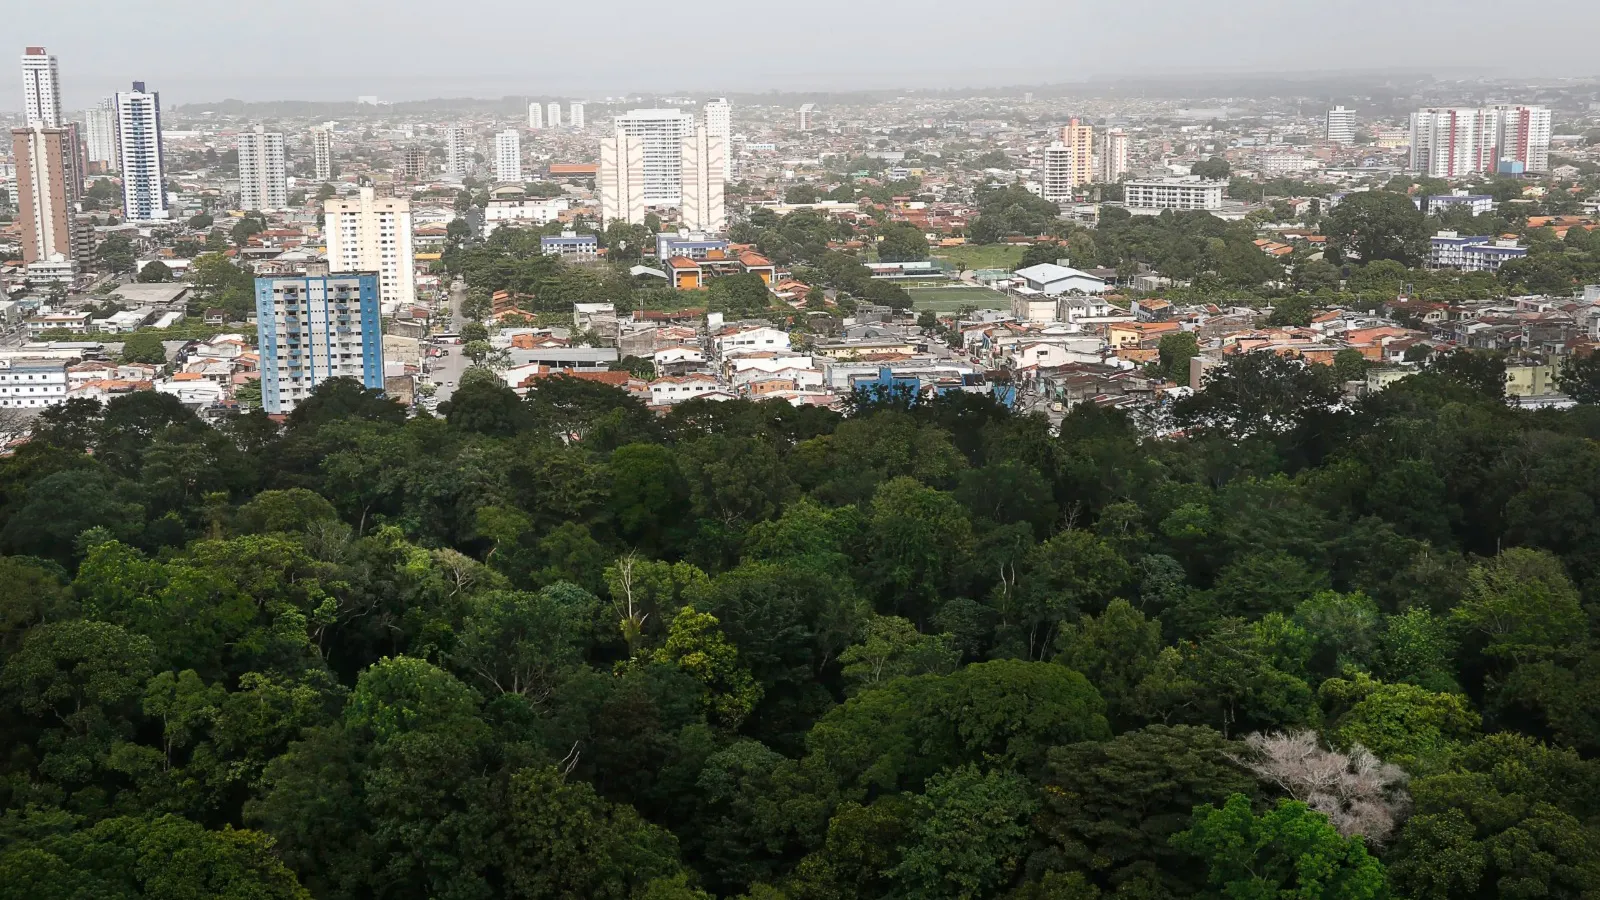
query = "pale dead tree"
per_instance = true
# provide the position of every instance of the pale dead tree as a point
(1359, 793)
(631, 617)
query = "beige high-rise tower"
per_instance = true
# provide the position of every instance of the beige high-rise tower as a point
(1114, 156)
(43, 194)
(705, 157)
(373, 234)
(1079, 138)
(621, 178)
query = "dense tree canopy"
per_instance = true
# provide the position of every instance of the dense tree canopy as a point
(560, 647)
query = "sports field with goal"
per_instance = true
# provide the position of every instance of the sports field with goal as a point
(949, 298)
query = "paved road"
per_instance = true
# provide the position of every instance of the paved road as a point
(446, 370)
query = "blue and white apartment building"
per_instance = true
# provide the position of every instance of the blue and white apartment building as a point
(316, 327)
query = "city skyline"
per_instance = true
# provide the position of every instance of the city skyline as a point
(264, 63)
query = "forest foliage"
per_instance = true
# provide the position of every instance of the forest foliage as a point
(561, 647)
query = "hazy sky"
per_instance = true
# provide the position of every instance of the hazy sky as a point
(196, 51)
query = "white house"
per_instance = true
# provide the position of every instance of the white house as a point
(667, 391)
(733, 341)
(1049, 278)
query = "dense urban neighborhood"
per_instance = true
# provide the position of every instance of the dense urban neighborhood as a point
(1047, 493)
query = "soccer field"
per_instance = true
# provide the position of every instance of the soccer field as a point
(950, 299)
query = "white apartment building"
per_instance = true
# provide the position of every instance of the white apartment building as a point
(1056, 175)
(1173, 193)
(1524, 136)
(322, 153)
(263, 176)
(373, 234)
(33, 382)
(1341, 125)
(553, 114)
(719, 120)
(620, 180)
(456, 151)
(529, 212)
(138, 121)
(1448, 142)
(1113, 155)
(1274, 165)
(41, 89)
(508, 156)
(575, 116)
(705, 157)
(535, 115)
(808, 112)
(661, 133)
(100, 134)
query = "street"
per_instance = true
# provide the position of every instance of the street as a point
(446, 370)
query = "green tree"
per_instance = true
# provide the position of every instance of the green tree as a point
(1378, 225)
(1176, 349)
(144, 347)
(697, 645)
(1215, 168)
(1288, 852)
(969, 833)
(155, 271)
(901, 242)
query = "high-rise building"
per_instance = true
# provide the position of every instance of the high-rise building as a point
(553, 114)
(1449, 142)
(575, 116)
(414, 165)
(263, 174)
(312, 328)
(1524, 136)
(41, 89)
(705, 157)
(661, 132)
(719, 120)
(373, 234)
(322, 153)
(455, 151)
(1114, 155)
(807, 112)
(144, 190)
(535, 115)
(100, 134)
(1056, 175)
(44, 201)
(1341, 125)
(620, 179)
(1079, 138)
(508, 156)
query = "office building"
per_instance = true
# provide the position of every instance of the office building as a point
(719, 119)
(100, 135)
(535, 115)
(1113, 155)
(552, 114)
(263, 175)
(1524, 137)
(508, 156)
(315, 327)
(373, 234)
(1079, 138)
(41, 89)
(1055, 176)
(705, 157)
(808, 111)
(1341, 125)
(456, 151)
(138, 121)
(44, 201)
(575, 116)
(322, 153)
(1173, 193)
(620, 179)
(661, 131)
